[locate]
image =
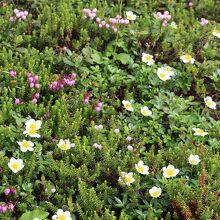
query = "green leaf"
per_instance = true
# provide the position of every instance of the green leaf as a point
(124, 58)
(68, 62)
(37, 213)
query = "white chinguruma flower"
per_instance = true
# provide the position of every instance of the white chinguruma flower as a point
(193, 159)
(147, 58)
(127, 105)
(165, 73)
(131, 16)
(199, 132)
(216, 33)
(65, 144)
(141, 168)
(208, 101)
(126, 178)
(32, 127)
(187, 59)
(145, 111)
(15, 164)
(155, 192)
(61, 215)
(26, 145)
(170, 171)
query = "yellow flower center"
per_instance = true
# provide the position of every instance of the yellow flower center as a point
(155, 193)
(216, 31)
(15, 165)
(61, 217)
(141, 169)
(129, 17)
(147, 58)
(188, 57)
(63, 146)
(200, 131)
(128, 105)
(193, 161)
(32, 131)
(170, 172)
(162, 75)
(33, 126)
(25, 144)
(209, 103)
(127, 179)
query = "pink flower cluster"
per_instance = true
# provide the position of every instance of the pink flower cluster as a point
(7, 191)
(86, 98)
(98, 107)
(164, 17)
(97, 146)
(111, 24)
(32, 81)
(98, 127)
(12, 73)
(4, 207)
(66, 80)
(19, 15)
(33, 84)
(204, 21)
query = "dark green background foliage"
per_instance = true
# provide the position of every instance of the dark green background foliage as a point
(109, 64)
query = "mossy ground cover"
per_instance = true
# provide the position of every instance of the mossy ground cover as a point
(109, 109)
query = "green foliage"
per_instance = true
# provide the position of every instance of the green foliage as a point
(108, 67)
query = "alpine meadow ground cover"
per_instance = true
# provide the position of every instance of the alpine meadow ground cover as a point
(109, 109)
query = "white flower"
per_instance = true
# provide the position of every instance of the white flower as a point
(32, 127)
(199, 132)
(61, 215)
(193, 159)
(155, 191)
(208, 101)
(173, 25)
(164, 74)
(26, 145)
(187, 59)
(131, 16)
(147, 58)
(141, 168)
(15, 164)
(128, 105)
(145, 111)
(32, 124)
(65, 144)
(126, 178)
(170, 171)
(216, 33)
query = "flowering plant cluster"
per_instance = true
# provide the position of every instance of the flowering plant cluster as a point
(134, 134)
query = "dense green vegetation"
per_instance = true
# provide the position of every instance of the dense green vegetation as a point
(106, 94)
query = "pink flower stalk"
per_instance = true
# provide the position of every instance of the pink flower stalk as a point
(7, 191)
(204, 21)
(11, 207)
(37, 85)
(37, 95)
(64, 49)
(97, 109)
(12, 73)
(34, 100)
(128, 139)
(31, 85)
(190, 4)
(13, 190)
(116, 130)
(17, 101)
(20, 15)
(164, 17)
(129, 147)
(3, 208)
(11, 18)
